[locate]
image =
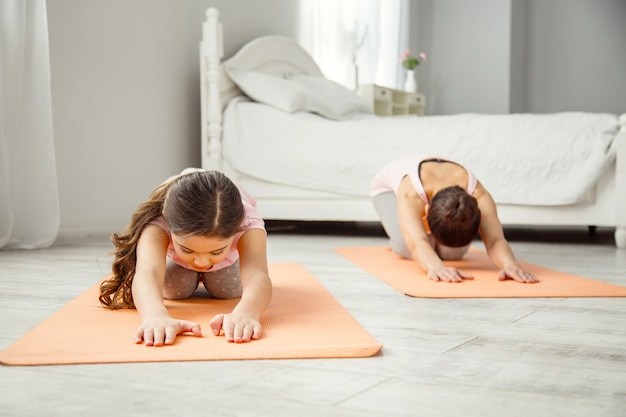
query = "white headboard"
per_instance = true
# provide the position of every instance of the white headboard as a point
(211, 77)
(274, 55)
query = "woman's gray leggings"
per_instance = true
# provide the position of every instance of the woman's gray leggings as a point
(386, 206)
(180, 283)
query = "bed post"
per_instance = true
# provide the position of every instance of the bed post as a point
(620, 186)
(211, 53)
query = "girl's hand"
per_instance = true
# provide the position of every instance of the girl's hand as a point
(447, 273)
(163, 331)
(517, 273)
(236, 327)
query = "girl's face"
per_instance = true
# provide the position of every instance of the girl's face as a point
(201, 252)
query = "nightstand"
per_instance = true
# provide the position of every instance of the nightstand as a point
(385, 101)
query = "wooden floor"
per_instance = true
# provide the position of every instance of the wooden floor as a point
(441, 357)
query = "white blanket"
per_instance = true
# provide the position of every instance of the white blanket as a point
(528, 159)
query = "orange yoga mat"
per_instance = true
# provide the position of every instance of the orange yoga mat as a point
(295, 325)
(407, 277)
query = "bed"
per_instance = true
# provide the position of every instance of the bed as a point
(307, 148)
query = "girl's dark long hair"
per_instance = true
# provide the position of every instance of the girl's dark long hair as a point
(454, 217)
(202, 203)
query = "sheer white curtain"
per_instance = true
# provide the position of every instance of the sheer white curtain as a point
(29, 202)
(369, 33)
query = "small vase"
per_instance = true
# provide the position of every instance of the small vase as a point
(410, 85)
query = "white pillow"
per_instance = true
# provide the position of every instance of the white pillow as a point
(329, 98)
(268, 89)
(299, 93)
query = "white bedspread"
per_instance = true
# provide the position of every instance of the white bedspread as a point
(530, 159)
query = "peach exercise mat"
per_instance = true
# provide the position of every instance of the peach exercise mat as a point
(407, 277)
(303, 320)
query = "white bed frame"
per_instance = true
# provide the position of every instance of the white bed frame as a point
(273, 54)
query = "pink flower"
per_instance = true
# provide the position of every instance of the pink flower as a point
(410, 62)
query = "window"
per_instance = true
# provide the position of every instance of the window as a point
(356, 35)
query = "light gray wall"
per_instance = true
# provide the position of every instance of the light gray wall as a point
(125, 96)
(535, 56)
(468, 46)
(125, 79)
(576, 55)
(519, 57)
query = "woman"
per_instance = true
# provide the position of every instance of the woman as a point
(432, 209)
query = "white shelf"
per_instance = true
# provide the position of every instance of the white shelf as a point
(385, 101)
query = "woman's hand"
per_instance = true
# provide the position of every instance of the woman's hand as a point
(517, 273)
(237, 328)
(447, 273)
(163, 331)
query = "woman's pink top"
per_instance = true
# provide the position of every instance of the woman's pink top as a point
(251, 220)
(390, 176)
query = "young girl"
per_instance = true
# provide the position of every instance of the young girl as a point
(432, 209)
(195, 227)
